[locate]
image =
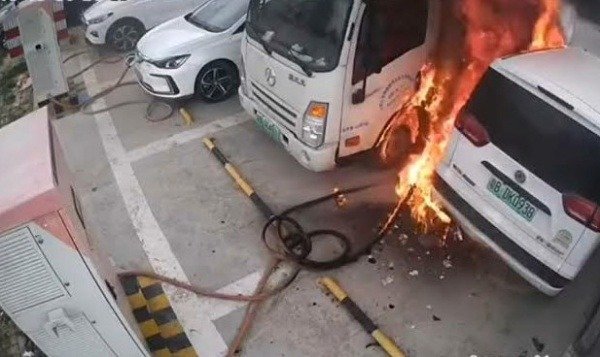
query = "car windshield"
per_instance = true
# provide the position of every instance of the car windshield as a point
(546, 141)
(219, 15)
(308, 32)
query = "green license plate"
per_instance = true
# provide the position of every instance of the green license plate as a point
(269, 127)
(512, 199)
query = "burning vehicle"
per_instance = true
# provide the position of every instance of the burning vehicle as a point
(323, 78)
(521, 171)
(510, 151)
(407, 73)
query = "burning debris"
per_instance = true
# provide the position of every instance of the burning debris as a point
(340, 199)
(387, 281)
(479, 32)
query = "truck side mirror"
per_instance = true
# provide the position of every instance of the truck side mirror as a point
(358, 96)
(373, 64)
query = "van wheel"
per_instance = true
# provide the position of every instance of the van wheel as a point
(124, 35)
(397, 151)
(217, 81)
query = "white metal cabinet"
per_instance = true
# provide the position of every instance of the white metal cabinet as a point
(53, 283)
(42, 54)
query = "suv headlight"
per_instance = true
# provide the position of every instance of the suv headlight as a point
(171, 62)
(99, 19)
(313, 124)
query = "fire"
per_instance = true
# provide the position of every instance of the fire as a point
(479, 32)
(547, 32)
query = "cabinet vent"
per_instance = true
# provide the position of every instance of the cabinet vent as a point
(83, 340)
(26, 278)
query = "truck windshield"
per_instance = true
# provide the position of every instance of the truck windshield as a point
(308, 32)
(546, 141)
(219, 15)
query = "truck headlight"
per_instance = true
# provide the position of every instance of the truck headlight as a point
(99, 19)
(313, 124)
(171, 62)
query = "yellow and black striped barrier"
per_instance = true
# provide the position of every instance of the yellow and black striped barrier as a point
(239, 180)
(156, 319)
(188, 119)
(382, 339)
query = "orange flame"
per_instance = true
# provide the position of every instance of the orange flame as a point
(547, 32)
(479, 32)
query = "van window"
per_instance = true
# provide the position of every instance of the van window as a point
(398, 26)
(543, 139)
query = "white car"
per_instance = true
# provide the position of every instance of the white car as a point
(522, 171)
(194, 54)
(121, 24)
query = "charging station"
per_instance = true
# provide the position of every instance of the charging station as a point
(42, 52)
(33, 30)
(55, 284)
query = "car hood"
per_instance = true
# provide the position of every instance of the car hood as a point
(175, 37)
(103, 7)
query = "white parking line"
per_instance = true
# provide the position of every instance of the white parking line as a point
(186, 136)
(246, 285)
(194, 313)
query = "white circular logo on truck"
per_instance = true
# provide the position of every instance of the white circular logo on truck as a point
(270, 76)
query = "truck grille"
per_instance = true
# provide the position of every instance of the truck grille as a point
(282, 111)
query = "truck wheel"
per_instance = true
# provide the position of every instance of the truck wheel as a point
(217, 81)
(123, 35)
(397, 151)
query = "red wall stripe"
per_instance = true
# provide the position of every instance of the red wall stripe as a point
(16, 52)
(62, 34)
(60, 15)
(12, 33)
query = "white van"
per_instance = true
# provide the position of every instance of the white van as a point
(324, 77)
(522, 171)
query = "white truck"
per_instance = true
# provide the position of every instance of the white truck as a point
(324, 77)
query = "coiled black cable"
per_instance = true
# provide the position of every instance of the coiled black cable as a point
(296, 242)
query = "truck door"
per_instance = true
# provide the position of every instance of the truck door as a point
(389, 51)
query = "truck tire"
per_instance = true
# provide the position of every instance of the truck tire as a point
(398, 149)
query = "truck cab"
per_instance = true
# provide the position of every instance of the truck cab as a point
(324, 77)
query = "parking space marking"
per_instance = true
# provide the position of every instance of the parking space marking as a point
(189, 307)
(186, 136)
(245, 285)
